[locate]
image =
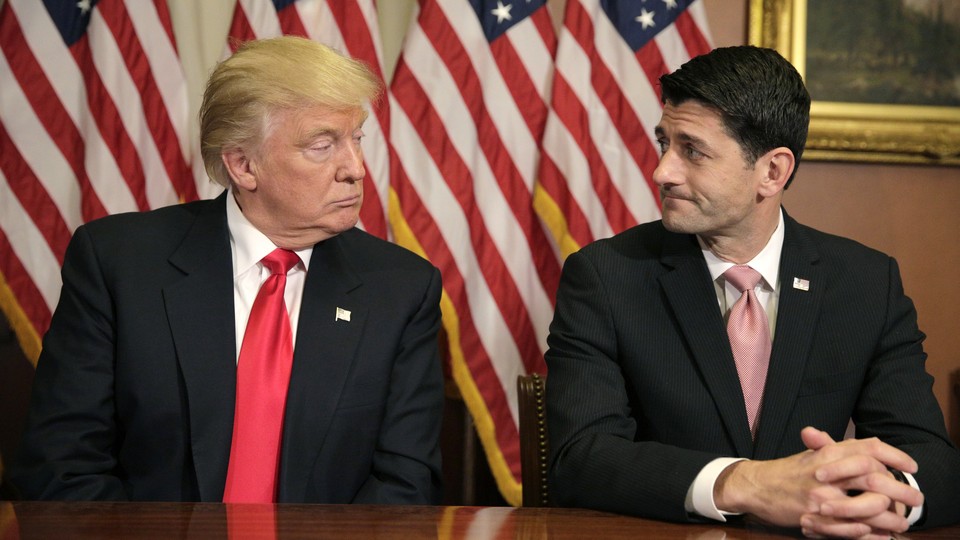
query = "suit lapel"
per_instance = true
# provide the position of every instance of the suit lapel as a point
(694, 302)
(200, 311)
(797, 315)
(324, 351)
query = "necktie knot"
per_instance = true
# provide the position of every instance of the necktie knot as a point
(280, 261)
(742, 277)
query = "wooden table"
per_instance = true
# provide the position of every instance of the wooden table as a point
(41, 520)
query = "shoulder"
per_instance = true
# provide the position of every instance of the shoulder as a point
(152, 222)
(369, 254)
(646, 241)
(832, 248)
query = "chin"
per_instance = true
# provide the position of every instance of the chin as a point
(681, 225)
(345, 225)
(673, 223)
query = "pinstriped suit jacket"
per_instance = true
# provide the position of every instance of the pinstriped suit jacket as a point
(643, 390)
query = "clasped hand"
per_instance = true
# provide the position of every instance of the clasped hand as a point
(841, 489)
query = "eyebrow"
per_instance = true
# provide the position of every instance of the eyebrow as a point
(683, 137)
(327, 130)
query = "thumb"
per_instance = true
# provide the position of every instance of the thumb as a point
(814, 439)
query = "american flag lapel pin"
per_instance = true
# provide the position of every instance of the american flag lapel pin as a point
(342, 315)
(801, 284)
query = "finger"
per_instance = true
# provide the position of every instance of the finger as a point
(886, 454)
(848, 467)
(871, 509)
(885, 484)
(877, 482)
(814, 439)
(814, 525)
(861, 507)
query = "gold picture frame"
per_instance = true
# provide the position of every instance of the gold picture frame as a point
(844, 131)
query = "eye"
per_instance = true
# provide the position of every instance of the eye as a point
(693, 153)
(320, 145)
(662, 146)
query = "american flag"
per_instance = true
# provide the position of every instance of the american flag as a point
(351, 27)
(93, 121)
(469, 101)
(599, 150)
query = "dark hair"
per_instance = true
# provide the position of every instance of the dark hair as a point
(760, 97)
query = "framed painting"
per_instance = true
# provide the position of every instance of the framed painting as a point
(884, 75)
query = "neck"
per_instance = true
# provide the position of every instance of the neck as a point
(741, 248)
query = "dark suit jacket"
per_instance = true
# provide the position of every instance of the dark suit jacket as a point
(643, 392)
(134, 391)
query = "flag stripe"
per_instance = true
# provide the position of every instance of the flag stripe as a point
(514, 194)
(53, 117)
(166, 94)
(121, 148)
(470, 107)
(469, 346)
(34, 200)
(27, 259)
(600, 141)
(473, 248)
(87, 128)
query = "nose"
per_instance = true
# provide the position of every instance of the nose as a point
(665, 174)
(351, 168)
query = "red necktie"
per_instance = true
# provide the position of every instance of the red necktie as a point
(749, 334)
(263, 373)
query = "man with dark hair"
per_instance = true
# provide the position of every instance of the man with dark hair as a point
(709, 364)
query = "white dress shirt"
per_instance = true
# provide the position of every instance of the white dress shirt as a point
(700, 495)
(249, 246)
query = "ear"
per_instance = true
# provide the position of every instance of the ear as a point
(239, 166)
(776, 166)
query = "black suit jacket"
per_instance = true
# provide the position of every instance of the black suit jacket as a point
(643, 390)
(134, 390)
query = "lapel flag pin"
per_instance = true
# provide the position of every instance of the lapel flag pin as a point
(342, 315)
(802, 284)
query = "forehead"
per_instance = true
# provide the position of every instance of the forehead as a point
(692, 118)
(313, 121)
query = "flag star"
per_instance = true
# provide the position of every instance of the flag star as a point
(84, 6)
(502, 12)
(646, 19)
(671, 4)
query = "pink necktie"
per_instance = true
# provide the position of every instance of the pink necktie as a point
(263, 373)
(749, 334)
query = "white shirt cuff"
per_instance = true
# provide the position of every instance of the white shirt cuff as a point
(916, 512)
(700, 495)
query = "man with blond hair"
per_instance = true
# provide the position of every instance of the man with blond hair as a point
(153, 381)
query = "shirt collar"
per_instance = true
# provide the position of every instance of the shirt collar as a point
(249, 245)
(767, 262)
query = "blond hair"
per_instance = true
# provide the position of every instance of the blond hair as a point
(270, 75)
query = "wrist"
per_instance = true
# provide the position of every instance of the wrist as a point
(728, 491)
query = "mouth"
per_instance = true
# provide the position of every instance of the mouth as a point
(664, 195)
(347, 202)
